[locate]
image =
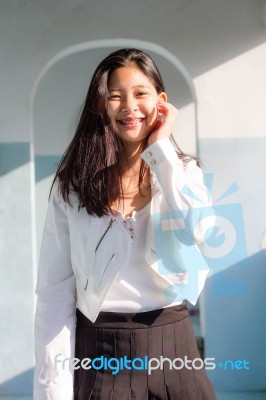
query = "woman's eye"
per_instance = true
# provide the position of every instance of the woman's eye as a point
(114, 97)
(142, 93)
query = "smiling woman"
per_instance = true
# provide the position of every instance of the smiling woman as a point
(133, 109)
(133, 104)
(103, 285)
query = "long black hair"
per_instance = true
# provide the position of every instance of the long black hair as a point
(90, 162)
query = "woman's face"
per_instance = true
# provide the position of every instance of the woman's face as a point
(133, 103)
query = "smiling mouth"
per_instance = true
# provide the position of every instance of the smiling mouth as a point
(131, 121)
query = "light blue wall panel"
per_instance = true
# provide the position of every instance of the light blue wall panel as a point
(12, 156)
(45, 166)
(234, 297)
(16, 274)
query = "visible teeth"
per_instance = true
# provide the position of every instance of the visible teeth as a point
(130, 121)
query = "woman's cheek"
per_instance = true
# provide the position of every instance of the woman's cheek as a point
(154, 117)
(112, 110)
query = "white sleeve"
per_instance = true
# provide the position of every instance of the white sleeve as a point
(55, 318)
(184, 190)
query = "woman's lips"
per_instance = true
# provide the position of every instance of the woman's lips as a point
(131, 121)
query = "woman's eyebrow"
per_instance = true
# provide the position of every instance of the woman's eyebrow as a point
(133, 87)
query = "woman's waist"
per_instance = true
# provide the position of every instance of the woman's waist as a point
(135, 320)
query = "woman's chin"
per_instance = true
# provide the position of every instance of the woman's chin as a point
(133, 135)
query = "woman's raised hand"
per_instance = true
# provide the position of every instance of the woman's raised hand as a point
(165, 124)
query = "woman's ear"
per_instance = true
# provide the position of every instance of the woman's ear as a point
(162, 97)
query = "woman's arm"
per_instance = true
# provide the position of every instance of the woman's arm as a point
(55, 318)
(192, 218)
(184, 190)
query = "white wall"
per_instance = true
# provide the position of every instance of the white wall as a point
(202, 34)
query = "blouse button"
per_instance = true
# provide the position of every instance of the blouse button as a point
(153, 162)
(149, 153)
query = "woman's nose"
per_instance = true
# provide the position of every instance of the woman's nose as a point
(129, 105)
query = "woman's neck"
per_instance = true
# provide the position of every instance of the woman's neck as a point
(130, 160)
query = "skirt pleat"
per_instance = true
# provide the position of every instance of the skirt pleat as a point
(139, 380)
(173, 382)
(121, 384)
(156, 383)
(164, 335)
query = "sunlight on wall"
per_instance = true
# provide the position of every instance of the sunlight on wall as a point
(232, 97)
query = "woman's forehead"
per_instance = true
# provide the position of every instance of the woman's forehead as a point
(131, 76)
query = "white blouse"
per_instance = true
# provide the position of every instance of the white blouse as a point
(137, 288)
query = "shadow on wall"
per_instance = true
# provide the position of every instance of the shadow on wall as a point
(45, 166)
(235, 322)
(20, 385)
(13, 156)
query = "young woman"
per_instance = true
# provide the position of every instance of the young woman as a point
(118, 250)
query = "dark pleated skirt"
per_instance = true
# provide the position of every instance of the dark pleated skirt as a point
(166, 332)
